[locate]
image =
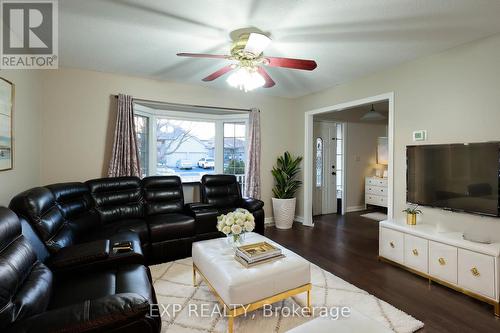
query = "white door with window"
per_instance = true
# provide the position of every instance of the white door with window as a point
(328, 167)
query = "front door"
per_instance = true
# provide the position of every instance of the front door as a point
(324, 175)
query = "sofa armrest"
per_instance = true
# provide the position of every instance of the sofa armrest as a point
(194, 206)
(80, 254)
(98, 315)
(251, 204)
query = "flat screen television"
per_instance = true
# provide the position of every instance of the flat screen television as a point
(458, 177)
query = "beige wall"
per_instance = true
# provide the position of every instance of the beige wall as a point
(454, 95)
(27, 110)
(360, 160)
(79, 116)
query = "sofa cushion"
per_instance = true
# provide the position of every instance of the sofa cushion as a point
(170, 226)
(117, 198)
(122, 229)
(26, 284)
(123, 279)
(76, 205)
(162, 195)
(39, 207)
(220, 190)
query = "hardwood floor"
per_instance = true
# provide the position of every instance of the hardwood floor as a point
(347, 246)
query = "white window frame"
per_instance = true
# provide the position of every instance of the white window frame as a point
(219, 120)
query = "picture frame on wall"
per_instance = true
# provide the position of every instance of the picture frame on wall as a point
(6, 124)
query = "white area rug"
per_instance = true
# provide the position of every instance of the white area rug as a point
(375, 216)
(173, 285)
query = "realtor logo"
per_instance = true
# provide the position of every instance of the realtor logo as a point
(29, 34)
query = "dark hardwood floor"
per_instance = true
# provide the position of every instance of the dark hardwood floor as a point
(347, 246)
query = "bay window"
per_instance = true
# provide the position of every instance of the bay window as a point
(190, 144)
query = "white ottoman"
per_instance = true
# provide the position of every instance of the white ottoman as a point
(240, 288)
(355, 323)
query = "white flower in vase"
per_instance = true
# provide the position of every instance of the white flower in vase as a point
(235, 224)
(236, 229)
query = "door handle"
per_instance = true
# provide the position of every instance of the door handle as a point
(334, 173)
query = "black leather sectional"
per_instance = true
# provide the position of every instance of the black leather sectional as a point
(149, 212)
(60, 267)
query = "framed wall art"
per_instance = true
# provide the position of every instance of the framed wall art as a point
(6, 133)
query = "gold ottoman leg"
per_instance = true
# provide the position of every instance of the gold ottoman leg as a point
(230, 322)
(194, 275)
(309, 301)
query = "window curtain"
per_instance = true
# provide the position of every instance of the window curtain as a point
(252, 170)
(125, 155)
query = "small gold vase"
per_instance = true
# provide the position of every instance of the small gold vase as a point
(411, 219)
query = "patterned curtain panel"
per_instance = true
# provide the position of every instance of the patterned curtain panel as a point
(252, 170)
(125, 156)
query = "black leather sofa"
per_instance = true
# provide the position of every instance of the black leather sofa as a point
(150, 213)
(33, 298)
(58, 267)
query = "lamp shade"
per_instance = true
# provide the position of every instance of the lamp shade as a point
(372, 115)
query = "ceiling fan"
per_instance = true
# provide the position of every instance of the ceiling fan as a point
(249, 72)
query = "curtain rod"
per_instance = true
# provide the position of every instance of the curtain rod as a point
(187, 105)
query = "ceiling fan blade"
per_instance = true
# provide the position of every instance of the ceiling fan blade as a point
(303, 64)
(203, 55)
(218, 73)
(257, 43)
(269, 81)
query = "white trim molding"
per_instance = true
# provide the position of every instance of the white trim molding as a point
(308, 144)
(269, 221)
(354, 209)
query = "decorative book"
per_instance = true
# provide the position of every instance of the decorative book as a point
(252, 264)
(257, 252)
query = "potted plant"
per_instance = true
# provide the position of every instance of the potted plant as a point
(411, 214)
(285, 187)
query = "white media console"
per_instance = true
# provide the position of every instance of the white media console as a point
(443, 257)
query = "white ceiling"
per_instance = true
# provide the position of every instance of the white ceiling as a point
(347, 38)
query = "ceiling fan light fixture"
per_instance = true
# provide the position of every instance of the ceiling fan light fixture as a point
(372, 115)
(246, 79)
(257, 43)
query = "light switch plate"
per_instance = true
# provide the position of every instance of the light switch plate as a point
(420, 135)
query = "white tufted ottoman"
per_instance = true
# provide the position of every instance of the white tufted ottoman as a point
(242, 289)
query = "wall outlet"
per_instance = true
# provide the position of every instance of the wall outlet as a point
(420, 135)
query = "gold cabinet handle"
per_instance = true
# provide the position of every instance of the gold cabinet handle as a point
(415, 252)
(475, 271)
(442, 262)
(391, 244)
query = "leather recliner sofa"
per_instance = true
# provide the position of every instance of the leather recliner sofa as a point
(223, 193)
(150, 213)
(33, 298)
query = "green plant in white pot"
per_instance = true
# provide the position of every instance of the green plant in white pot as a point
(285, 187)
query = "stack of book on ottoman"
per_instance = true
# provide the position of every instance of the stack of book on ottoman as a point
(257, 253)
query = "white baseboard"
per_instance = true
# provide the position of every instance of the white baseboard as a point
(354, 209)
(299, 219)
(269, 221)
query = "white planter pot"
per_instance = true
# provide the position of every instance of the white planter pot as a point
(284, 212)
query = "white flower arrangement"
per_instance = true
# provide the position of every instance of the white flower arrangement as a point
(236, 223)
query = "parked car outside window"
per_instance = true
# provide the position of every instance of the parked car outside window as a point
(206, 163)
(184, 164)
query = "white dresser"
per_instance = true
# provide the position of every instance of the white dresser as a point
(376, 191)
(444, 257)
